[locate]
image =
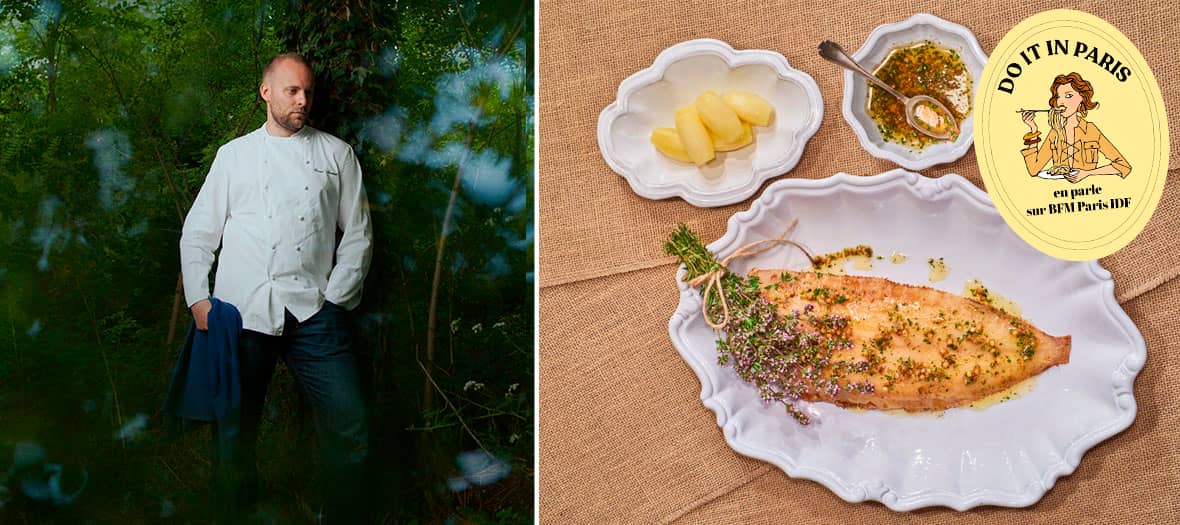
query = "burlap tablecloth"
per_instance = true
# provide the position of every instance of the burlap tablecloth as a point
(623, 434)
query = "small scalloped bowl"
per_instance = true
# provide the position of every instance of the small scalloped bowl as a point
(881, 41)
(649, 99)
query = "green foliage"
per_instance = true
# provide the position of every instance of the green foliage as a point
(112, 114)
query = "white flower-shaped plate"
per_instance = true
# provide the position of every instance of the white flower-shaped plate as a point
(649, 99)
(1007, 454)
(880, 43)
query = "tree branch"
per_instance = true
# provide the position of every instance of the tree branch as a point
(432, 312)
(449, 404)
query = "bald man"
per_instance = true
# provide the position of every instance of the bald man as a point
(273, 201)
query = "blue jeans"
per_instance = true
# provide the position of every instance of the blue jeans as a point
(319, 353)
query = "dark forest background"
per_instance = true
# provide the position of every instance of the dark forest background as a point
(110, 115)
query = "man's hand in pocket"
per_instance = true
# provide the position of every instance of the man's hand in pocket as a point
(201, 314)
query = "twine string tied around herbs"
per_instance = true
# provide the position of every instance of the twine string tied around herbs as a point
(712, 278)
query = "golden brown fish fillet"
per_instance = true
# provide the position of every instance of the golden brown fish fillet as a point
(920, 348)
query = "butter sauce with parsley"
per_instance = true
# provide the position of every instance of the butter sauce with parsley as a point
(924, 68)
(834, 263)
(1008, 394)
(974, 289)
(938, 269)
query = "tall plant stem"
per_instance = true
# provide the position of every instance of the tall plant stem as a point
(432, 312)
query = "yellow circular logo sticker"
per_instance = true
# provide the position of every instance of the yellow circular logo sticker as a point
(1071, 135)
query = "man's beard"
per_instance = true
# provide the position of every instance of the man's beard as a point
(289, 122)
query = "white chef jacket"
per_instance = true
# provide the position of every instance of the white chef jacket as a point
(273, 204)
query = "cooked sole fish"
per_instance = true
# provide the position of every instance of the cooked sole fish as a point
(920, 348)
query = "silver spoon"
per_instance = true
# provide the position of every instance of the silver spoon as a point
(832, 52)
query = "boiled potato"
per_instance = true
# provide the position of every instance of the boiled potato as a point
(721, 119)
(693, 135)
(711, 124)
(743, 140)
(667, 141)
(749, 107)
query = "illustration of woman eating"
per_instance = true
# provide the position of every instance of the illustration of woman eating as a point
(1072, 143)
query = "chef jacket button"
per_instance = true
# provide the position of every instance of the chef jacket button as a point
(298, 249)
(301, 218)
(307, 162)
(305, 188)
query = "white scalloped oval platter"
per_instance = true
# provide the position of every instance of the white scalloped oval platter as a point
(1006, 454)
(649, 98)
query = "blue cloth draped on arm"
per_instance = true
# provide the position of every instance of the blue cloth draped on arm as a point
(206, 384)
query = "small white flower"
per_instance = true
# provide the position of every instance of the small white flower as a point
(455, 325)
(513, 438)
(472, 385)
(500, 325)
(477, 328)
(513, 387)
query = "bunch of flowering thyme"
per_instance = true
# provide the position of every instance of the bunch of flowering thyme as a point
(784, 356)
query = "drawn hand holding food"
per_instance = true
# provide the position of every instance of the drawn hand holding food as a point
(1029, 117)
(858, 341)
